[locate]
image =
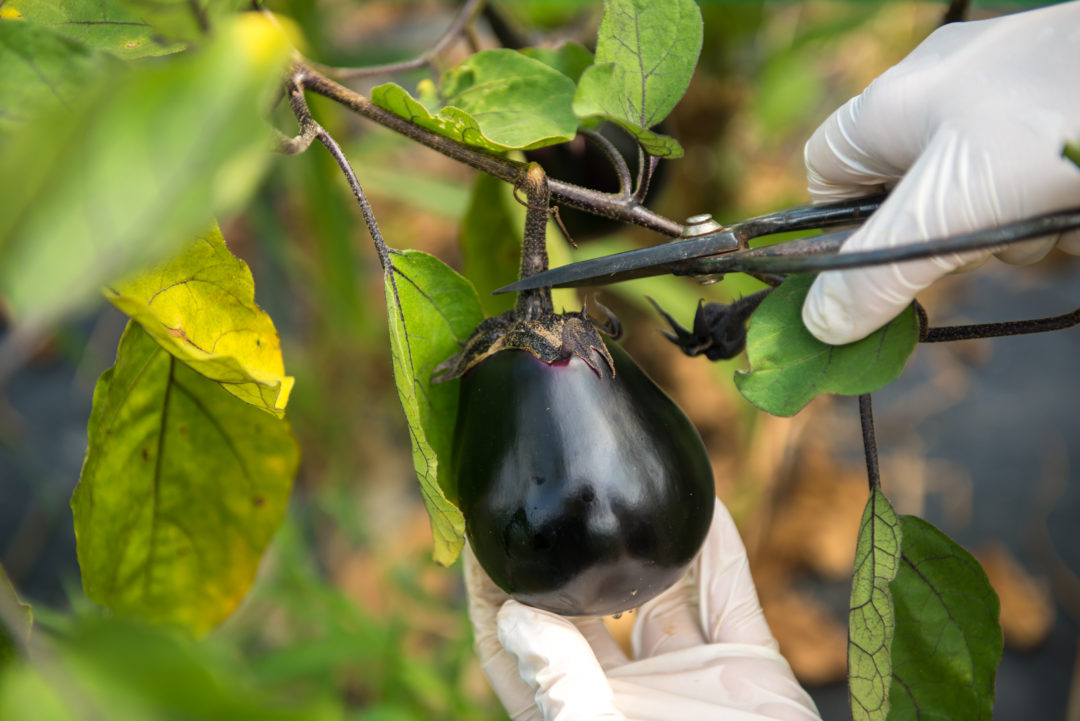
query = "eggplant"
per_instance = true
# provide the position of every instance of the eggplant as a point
(585, 489)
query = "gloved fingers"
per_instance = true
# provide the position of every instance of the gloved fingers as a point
(1070, 242)
(670, 621)
(604, 646)
(1028, 252)
(557, 663)
(965, 180)
(841, 161)
(485, 600)
(728, 606)
(731, 681)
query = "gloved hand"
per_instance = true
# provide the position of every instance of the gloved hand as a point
(969, 129)
(702, 650)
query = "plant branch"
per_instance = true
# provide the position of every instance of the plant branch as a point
(308, 127)
(465, 15)
(646, 167)
(945, 334)
(618, 162)
(866, 420)
(614, 206)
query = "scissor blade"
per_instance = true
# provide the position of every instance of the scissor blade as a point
(639, 263)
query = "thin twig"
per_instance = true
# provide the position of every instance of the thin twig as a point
(645, 177)
(465, 15)
(866, 419)
(608, 205)
(618, 162)
(945, 334)
(308, 127)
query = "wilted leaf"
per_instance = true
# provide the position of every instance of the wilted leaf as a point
(646, 52)
(200, 307)
(14, 612)
(948, 642)
(870, 619)
(431, 310)
(102, 24)
(182, 488)
(39, 70)
(496, 99)
(789, 367)
(140, 163)
(569, 58)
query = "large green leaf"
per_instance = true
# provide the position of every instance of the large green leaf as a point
(789, 367)
(496, 99)
(182, 488)
(103, 24)
(870, 618)
(646, 52)
(432, 310)
(200, 306)
(948, 641)
(138, 164)
(39, 71)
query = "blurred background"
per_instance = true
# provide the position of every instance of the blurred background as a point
(981, 437)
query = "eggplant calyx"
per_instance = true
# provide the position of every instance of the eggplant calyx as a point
(551, 337)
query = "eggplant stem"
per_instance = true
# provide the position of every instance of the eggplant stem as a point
(532, 304)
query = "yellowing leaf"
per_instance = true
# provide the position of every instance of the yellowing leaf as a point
(200, 306)
(182, 488)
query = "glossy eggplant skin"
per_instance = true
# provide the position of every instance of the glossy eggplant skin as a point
(583, 494)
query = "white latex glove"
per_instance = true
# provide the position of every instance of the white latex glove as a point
(969, 129)
(703, 650)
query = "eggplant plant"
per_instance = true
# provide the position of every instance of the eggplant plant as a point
(128, 127)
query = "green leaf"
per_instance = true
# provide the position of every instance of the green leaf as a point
(568, 58)
(138, 164)
(182, 488)
(102, 24)
(646, 52)
(200, 307)
(182, 19)
(789, 367)
(948, 641)
(39, 71)
(497, 100)
(431, 311)
(16, 619)
(870, 619)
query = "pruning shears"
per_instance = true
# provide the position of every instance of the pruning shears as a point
(707, 248)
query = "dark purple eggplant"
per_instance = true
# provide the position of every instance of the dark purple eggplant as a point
(585, 492)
